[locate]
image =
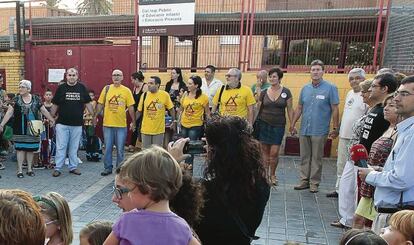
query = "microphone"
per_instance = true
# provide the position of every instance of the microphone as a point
(359, 155)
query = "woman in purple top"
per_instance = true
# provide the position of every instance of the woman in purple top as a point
(152, 178)
(271, 120)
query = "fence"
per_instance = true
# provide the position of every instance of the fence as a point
(399, 51)
(249, 34)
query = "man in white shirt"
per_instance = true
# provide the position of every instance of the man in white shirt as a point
(354, 108)
(210, 84)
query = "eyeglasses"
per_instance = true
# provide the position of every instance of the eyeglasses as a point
(355, 78)
(375, 85)
(230, 75)
(402, 93)
(71, 75)
(119, 191)
(22, 87)
(50, 222)
(117, 75)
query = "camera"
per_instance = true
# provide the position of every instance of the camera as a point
(194, 147)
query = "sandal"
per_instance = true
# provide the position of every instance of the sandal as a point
(274, 180)
(30, 173)
(20, 175)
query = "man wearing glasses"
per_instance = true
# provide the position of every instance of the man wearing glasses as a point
(69, 102)
(395, 183)
(115, 99)
(234, 99)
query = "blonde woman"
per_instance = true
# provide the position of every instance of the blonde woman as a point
(57, 217)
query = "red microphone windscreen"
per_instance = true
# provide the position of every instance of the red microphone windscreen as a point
(358, 152)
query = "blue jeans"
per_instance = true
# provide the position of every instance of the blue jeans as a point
(67, 137)
(194, 133)
(118, 136)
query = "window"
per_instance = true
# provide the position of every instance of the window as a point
(183, 43)
(146, 41)
(229, 40)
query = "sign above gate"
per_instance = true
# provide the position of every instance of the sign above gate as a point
(166, 17)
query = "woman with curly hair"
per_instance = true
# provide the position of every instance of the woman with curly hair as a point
(236, 187)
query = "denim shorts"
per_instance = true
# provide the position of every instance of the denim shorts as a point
(270, 135)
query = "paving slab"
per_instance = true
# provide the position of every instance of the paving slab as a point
(290, 215)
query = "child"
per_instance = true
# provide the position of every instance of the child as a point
(46, 147)
(57, 218)
(360, 236)
(95, 233)
(152, 178)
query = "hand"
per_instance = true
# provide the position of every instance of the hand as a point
(52, 122)
(292, 130)
(176, 149)
(173, 126)
(333, 134)
(132, 126)
(363, 172)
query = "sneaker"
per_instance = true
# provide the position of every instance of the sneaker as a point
(38, 167)
(79, 160)
(75, 171)
(302, 186)
(313, 188)
(67, 161)
(106, 172)
(56, 173)
(338, 224)
(333, 194)
(2, 166)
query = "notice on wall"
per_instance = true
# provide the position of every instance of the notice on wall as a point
(55, 75)
(166, 17)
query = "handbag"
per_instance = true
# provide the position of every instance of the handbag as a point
(36, 127)
(393, 209)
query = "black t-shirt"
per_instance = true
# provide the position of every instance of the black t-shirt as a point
(70, 101)
(374, 126)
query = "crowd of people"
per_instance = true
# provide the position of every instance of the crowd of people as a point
(241, 129)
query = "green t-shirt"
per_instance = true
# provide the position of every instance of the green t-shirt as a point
(265, 86)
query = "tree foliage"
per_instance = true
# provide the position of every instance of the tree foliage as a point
(95, 7)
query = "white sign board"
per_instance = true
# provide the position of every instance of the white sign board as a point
(55, 75)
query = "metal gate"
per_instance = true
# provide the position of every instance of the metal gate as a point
(94, 62)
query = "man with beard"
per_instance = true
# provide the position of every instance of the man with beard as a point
(234, 99)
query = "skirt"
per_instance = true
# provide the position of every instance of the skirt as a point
(26, 142)
(270, 135)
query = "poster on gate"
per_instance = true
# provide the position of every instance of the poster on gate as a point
(166, 17)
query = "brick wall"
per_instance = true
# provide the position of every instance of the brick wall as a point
(13, 64)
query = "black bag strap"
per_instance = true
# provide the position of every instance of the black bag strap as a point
(219, 98)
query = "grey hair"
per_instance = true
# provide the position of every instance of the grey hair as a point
(238, 73)
(26, 83)
(358, 71)
(262, 73)
(385, 70)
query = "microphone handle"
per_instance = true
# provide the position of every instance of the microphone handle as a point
(362, 163)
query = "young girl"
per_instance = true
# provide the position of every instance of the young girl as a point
(152, 178)
(57, 218)
(95, 233)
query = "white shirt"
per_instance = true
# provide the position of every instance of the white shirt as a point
(211, 90)
(354, 108)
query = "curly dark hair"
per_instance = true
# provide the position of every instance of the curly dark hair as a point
(234, 160)
(361, 236)
(189, 200)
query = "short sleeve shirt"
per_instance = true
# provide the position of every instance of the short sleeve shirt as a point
(115, 102)
(193, 111)
(235, 102)
(70, 101)
(316, 104)
(153, 117)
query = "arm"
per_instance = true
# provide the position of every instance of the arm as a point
(296, 116)
(214, 109)
(290, 110)
(250, 114)
(111, 240)
(89, 107)
(335, 121)
(6, 117)
(131, 112)
(99, 108)
(172, 113)
(207, 111)
(53, 110)
(46, 114)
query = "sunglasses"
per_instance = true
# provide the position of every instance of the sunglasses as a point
(119, 191)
